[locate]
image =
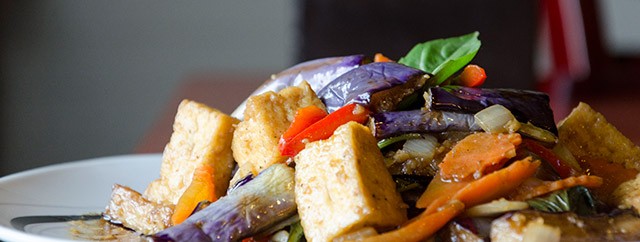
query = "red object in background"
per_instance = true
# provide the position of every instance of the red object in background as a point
(562, 56)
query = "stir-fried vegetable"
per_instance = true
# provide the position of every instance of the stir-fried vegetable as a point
(318, 73)
(248, 210)
(200, 189)
(323, 128)
(379, 86)
(304, 118)
(478, 154)
(575, 199)
(526, 106)
(497, 119)
(423, 226)
(389, 124)
(443, 57)
(471, 76)
(485, 189)
(540, 188)
(561, 167)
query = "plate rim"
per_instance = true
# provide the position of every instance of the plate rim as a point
(12, 234)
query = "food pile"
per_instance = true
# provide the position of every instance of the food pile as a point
(352, 148)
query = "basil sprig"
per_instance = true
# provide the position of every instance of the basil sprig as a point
(443, 57)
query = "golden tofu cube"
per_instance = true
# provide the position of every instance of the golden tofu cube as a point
(343, 185)
(201, 136)
(266, 117)
(129, 208)
(587, 134)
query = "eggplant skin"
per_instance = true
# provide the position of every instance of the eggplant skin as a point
(318, 73)
(246, 211)
(360, 84)
(527, 106)
(388, 124)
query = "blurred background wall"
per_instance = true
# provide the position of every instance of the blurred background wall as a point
(82, 79)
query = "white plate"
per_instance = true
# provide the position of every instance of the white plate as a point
(74, 188)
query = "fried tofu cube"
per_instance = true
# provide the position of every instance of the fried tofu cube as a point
(201, 136)
(266, 117)
(129, 208)
(627, 194)
(343, 185)
(586, 133)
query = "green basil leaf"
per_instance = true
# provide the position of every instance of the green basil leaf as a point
(443, 57)
(575, 199)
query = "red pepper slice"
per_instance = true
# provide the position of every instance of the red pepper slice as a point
(471, 76)
(304, 118)
(323, 128)
(561, 167)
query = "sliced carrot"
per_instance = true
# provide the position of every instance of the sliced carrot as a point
(200, 189)
(489, 187)
(423, 226)
(551, 186)
(439, 192)
(497, 184)
(304, 118)
(379, 57)
(478, 154)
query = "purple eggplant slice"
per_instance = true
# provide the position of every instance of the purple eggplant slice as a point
(380, 86)
(246, 211)
(318, 73)
(388, 124)
(527, 106)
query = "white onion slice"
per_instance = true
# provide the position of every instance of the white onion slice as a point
(421, 148)
(497, 119)
(495, 208)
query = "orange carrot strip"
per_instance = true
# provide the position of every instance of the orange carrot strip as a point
(551, 186)
(200, 189)
(497, 184)
(485, 189)
(379, 57)
(423, 226)
(439, 192)
(478, 154)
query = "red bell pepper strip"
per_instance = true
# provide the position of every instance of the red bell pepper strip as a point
(379, 57)
(304, 118)
(323, 128)
(561, 167)
(471, 76)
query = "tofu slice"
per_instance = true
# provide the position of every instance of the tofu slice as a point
(342, 185)
(266, 117)
(587, 134)
(201, 136)
(627, 195)
(129, 208)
